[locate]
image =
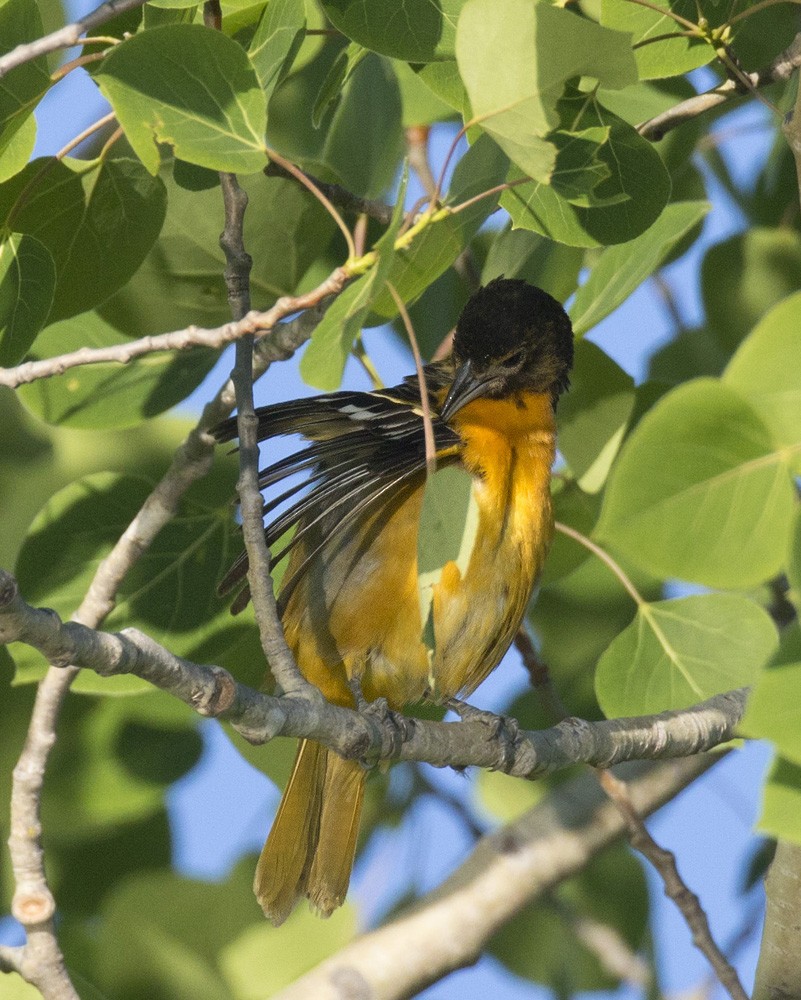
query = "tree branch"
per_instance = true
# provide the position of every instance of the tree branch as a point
(67, 36)
(286, 338)
(212, 691)
(508, 869)
(782, 68)
(337, 195)
(675, 886)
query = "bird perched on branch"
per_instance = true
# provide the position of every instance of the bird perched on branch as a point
(349, 599)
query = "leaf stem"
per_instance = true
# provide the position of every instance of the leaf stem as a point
(428, 427)
(666, 12)
(89, 130)
(318, 194)
(605, 558)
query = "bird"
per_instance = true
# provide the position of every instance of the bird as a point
(349, 600)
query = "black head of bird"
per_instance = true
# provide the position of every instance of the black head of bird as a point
(510, 338)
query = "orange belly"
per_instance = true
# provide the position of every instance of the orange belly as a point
(357, 612)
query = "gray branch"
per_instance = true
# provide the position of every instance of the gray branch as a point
(510, 868)
(67, 36)
(782, 68)
(284, 339)
(373, 735)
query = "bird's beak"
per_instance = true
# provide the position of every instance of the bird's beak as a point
(467, 385)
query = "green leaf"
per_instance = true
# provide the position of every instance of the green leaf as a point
(181, 280)
(781, 803)
(541, 944)
(689, 355)
(667, 57)
(22, 88)
(447, 535)
(519, 253)
(276, 41)
(98, 221)
(149, 941)
(323, 362)
(255, 969)
(18, 149)
(679, 652)
(340, 72)
(421, 106)
(435, 249)
(744, 276)
(27, 283)
(766, 370)
(636, 173)
(170, 594)
(774, 705)
(415, 30)
(360, 144)
(151, 81)
(541, 47)
(593, 416)
(579, 510)
(619, 270)
(110, 394)
(115, 760)
(700, 491)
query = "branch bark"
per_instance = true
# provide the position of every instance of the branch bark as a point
(67, 36)
(508, 869)
(782, 68)
(778, 975)
(212, 691)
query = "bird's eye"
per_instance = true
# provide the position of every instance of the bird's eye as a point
(513, 360)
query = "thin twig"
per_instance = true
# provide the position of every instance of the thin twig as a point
(89, 130)
(338, 195)
(285, 339)
(605, 558)
(67, 36)
(310, 185)
(675, 887)
(417, 151)
(782, 68)
(428, 427)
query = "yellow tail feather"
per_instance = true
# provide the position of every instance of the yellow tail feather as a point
(312, 843)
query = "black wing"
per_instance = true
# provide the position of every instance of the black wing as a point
(364, 447)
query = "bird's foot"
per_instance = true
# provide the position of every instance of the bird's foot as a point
(394, 725)
(502, 728)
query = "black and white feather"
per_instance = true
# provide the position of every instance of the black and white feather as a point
(365, 449)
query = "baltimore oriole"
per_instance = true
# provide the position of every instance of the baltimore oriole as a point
(349, 597)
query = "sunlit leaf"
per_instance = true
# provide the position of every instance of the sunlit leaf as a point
(766, 370)
(628, 201)
(619, 270)
(152, 82)
(657, 56)
(701, 492)
(413, 30)
(679, 652)
(543, 47)
(446, 537)
(27, 283)
(323, 362)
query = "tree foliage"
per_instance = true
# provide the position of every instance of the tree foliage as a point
(691, 475)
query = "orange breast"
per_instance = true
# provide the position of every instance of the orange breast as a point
(357, 609)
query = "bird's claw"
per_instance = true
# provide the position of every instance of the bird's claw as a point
(394, 728)
(502, 728)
